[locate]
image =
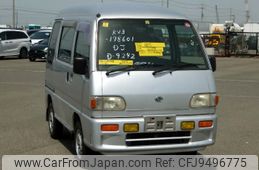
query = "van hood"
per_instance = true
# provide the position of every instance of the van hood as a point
(164, 93)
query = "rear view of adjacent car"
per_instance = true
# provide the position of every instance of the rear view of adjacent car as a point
(39, 50)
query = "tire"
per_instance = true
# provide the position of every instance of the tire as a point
(23, 53)
(80, 148)
(32, 59)
(55, 127)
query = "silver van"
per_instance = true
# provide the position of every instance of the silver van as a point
(129, 79)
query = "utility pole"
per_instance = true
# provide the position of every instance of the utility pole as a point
(230, 14)
(202, 12)
(217, 13)
(247, 11)
(167, 4)
(13, 13)
(16, 23)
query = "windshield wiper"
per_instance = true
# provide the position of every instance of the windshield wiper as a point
(175, 67)
(132, 68)
(126, 68)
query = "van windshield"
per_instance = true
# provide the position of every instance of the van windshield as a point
(153, 43)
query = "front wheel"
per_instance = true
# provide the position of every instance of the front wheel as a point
(80, 147)
(55, 127)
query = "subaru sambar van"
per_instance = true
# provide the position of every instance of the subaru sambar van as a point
(129, 79)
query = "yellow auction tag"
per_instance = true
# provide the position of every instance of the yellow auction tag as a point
(150, 44)
(150, 54)
(147, 22)
(116, 62)
(151, 49)
(105, 24)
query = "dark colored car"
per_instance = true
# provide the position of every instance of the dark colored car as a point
(39, 50)
(30, 32)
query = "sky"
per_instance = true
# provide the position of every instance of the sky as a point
(43, 12)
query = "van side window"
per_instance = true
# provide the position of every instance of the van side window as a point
(53, 42)
(66, 44)
(82, 48)
(3, 36)
(189, 45)
(10, 35)
(20, 35)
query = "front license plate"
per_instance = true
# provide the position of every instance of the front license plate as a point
(159, 123)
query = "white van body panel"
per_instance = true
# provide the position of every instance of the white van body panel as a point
(176, 90)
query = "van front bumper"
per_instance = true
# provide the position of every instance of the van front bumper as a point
(116, 142)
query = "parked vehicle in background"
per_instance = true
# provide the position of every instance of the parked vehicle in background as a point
(122, 84)
(30, 32)
(14, 43)
(40, 35)
(39, 50)
(252, 30)
(32, 26)
(251, 27)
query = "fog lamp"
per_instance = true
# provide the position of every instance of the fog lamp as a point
(131, 127)
(187, 125)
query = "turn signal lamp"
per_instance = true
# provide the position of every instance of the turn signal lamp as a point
(205, 124)
(216, 100)
(109, 127)
(93, 103)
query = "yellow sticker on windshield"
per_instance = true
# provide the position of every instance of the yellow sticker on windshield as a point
(116, 62)
(150, 54)
(105, 24)
(151, 49)
(147, 22)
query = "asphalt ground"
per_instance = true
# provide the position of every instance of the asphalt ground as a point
(23, 129)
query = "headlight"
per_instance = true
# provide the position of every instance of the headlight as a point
(107, 103)
(45, 49)
(203, 100)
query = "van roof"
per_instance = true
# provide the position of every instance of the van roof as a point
(119, 10)
(8, 29)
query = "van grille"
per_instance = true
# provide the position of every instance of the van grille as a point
(158, 138)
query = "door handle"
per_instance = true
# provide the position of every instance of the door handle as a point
(69, 77)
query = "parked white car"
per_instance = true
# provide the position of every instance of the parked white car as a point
(14, 43)
(40, 35)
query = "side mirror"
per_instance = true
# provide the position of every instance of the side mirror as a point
(213, 63)
(80, 65)
(0, 39)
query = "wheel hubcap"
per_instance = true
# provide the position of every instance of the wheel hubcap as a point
(79, 143)
(51, 121)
